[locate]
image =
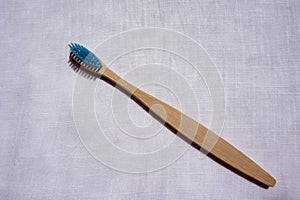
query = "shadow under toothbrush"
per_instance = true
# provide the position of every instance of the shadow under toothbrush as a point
(87, 74)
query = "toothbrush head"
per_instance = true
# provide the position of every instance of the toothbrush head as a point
(82, 57)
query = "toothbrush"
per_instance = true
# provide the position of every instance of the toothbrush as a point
(89, 64)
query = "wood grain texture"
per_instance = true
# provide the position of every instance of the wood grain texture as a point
(191, 130)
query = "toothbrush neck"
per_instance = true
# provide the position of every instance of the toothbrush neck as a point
(114, 79)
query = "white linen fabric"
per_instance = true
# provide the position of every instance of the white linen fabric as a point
(255, 45)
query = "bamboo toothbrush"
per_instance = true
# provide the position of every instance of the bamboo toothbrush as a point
(188, 128)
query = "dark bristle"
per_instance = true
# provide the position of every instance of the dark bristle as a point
(83, 71)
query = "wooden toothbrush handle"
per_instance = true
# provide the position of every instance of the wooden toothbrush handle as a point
(192, 130)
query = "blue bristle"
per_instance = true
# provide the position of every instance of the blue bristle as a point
(85, 55)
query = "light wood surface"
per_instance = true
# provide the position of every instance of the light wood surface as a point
(191, 130)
